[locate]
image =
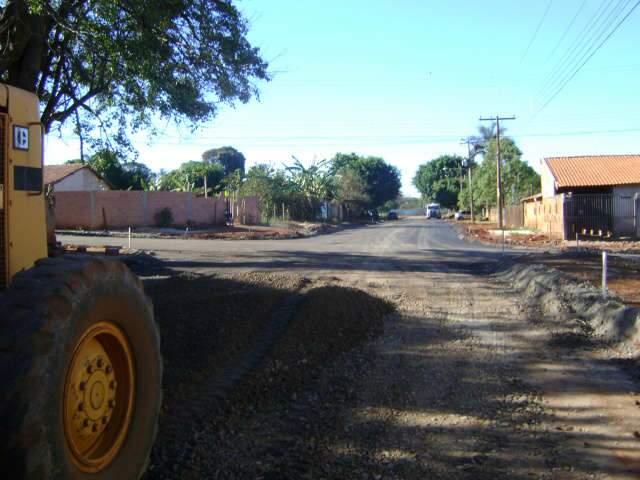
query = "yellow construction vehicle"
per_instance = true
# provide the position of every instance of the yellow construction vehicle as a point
(80, 363)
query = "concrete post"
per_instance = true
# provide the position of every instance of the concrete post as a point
(190, 206)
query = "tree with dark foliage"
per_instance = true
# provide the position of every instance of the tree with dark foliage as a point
(228, 157)
(118, 65)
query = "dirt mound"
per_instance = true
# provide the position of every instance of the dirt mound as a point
(329, 320)
(575, 309)
(239, 344)
(293, 390)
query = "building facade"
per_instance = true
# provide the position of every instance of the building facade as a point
(74, 177)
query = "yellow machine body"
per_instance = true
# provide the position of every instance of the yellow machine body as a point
(23, 231)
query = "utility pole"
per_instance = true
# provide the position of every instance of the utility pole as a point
(497, 119)
(469, 163)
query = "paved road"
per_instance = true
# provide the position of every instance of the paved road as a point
(409, 244)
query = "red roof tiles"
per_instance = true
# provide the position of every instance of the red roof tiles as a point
(595, 170)
(55, 173)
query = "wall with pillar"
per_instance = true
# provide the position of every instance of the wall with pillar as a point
(122, 209)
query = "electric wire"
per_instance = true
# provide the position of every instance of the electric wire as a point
(535, 34)
(566, 31)
(557, 92)
(579, 40)
(597, 34)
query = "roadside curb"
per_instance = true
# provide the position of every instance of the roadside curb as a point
(565, 299)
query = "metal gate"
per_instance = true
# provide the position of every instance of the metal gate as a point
(600, 215)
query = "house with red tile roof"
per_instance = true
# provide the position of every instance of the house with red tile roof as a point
(74, 177)
(615, 174)
(601, 193)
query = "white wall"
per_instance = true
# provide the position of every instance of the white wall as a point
(626, 190)
(81, 180)
(547, 180)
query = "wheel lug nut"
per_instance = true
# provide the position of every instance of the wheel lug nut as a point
(89, 368)
(81, 407)
(85, 423)
(94, 428)
(82, 386)
(108, 369)
(99, 363)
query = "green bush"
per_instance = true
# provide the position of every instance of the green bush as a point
(164, 217)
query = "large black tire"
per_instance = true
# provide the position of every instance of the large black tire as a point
(42, 316)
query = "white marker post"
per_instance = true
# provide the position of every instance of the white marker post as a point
(129, 242)
(604, 273)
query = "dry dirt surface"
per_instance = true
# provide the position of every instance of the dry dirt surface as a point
(384, 353)
(623, 273)
(482, 232)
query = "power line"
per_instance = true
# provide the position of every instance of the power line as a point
(597, 34)
(576, 43)
(535, 34)
(588, 58)
(375, 140)
(584, 2)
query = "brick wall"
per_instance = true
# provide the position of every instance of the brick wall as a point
(121, 209)
(546, 215)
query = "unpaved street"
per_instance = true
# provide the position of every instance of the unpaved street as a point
(458, 378)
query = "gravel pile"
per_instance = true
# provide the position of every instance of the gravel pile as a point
(240, 352)
(578, 309)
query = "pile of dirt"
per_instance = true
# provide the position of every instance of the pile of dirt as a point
(205, 322)
(329, 320)
(576, 311)
(240, 345)
(482, 232)
(245, 233)
(296, 393)
(277, 231)
(611, 245)
(623, 273)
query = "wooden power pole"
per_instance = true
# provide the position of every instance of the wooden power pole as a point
(469, 164)
(497, 119)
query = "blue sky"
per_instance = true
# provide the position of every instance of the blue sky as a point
(406, 79)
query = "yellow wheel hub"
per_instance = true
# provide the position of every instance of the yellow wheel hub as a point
(98, 396)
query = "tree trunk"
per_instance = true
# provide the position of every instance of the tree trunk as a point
(24, 34)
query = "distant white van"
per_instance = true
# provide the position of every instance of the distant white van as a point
(433, 210)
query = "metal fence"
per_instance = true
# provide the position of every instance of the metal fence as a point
(601, 215)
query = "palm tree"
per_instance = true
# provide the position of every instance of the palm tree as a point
(486, 134)
(313, 181)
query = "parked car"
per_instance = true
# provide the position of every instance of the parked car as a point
(392, 216)
(462, 215)
(433, 211)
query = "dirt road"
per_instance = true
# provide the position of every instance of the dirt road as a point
(465, 381)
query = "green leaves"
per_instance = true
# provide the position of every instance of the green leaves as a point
(382, 180)
(439, 179)
(122, 64)
(228, 157)
(189, 177)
